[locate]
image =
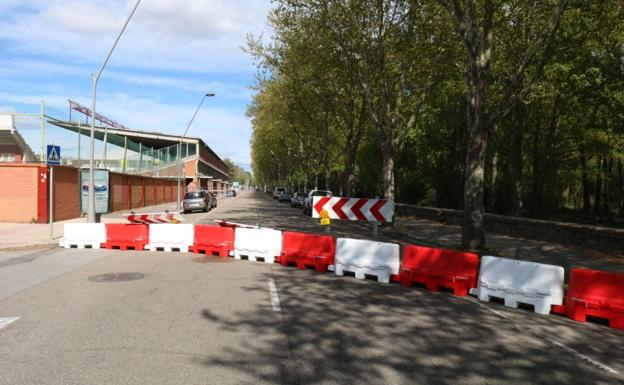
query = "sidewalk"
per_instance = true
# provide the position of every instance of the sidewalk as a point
(26, 236)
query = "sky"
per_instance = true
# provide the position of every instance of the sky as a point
(172, 52)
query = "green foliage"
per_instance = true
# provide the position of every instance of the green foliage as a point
(349, 90)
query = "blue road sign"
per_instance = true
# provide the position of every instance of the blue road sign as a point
(53, 154)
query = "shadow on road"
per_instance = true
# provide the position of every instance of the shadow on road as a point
(346, 331)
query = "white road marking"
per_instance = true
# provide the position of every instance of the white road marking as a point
(582, 356)
(552, 341)
(275, 302)
(4, 322)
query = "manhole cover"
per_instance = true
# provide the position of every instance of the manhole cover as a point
(116, 277)
(212, 259)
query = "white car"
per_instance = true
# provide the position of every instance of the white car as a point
(277, 192)
(307, 204)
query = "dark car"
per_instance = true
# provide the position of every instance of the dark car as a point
(197, 200)
(298, 199)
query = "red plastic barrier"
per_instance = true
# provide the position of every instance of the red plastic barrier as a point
(437, 268)
(213, 240)
(595, 293)
(308, 250)
(124, 236)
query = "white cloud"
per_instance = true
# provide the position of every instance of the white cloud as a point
(191, 35)
(181, 46)
(223, 90)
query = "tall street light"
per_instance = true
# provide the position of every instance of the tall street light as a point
(95, 78)
(180, 147)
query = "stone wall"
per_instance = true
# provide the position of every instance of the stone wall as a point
(594, 237)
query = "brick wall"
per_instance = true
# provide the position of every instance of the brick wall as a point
(136, 191)
(24, 192)
(66, 193)
(119, 191)
(149, 193)
(18, 193)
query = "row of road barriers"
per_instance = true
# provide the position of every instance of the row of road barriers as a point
(590, 292)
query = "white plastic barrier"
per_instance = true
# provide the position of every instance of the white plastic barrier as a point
(170, 236)
(516, 281)
(367, 257)
(83, 234)
(257, 243)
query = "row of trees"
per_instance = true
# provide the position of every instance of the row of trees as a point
(238, 174)
(515, 107)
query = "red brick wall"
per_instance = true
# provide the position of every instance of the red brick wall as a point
(136, 191)
(24, 192)
(18, 193)
(119, 192)
(149, 192)
(66, 193)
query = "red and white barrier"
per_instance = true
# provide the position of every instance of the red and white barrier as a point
(437, 268)
(354, 209)
(257, 243)
(367, 258)
(169, 236)
(517, 281)
(81, 235)
(305, 249)
(591, 292)
(153, 218)
(213, 240)
(124, 236)
(595, 293)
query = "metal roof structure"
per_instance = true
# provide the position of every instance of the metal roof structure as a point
(116, 136)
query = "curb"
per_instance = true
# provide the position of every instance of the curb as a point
(38, 246)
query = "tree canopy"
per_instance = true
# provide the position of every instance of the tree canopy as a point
(513, 107)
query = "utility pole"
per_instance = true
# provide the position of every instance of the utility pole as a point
(91, 198)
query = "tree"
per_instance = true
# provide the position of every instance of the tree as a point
(476, 31)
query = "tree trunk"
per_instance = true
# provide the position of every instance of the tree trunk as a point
(516, 165)
(585, 182)
(473, 232)
(349, 176)
(620, 188)
(608, 167)
(388, 170)
(597, 191)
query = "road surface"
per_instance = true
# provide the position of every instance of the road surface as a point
(184, 318)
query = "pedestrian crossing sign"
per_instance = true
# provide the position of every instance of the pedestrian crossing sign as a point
(53, 154)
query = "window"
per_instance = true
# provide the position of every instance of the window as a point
(5, 157)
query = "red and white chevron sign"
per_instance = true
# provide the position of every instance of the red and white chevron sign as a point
(149, 218)
(354, 209)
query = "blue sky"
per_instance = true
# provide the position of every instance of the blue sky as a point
(171, 53)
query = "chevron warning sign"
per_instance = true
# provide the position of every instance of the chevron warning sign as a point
(354, 209)
(152, 218)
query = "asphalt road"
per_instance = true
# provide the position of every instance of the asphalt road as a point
(191, 319)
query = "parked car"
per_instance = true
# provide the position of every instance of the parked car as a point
(284, 197)
(277, 192)
(196, 200)
(213, 199)
(307, 205)
(298, 199)
(230, 193)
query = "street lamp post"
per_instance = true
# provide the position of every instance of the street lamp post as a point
(91, 198)
(180, 148)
